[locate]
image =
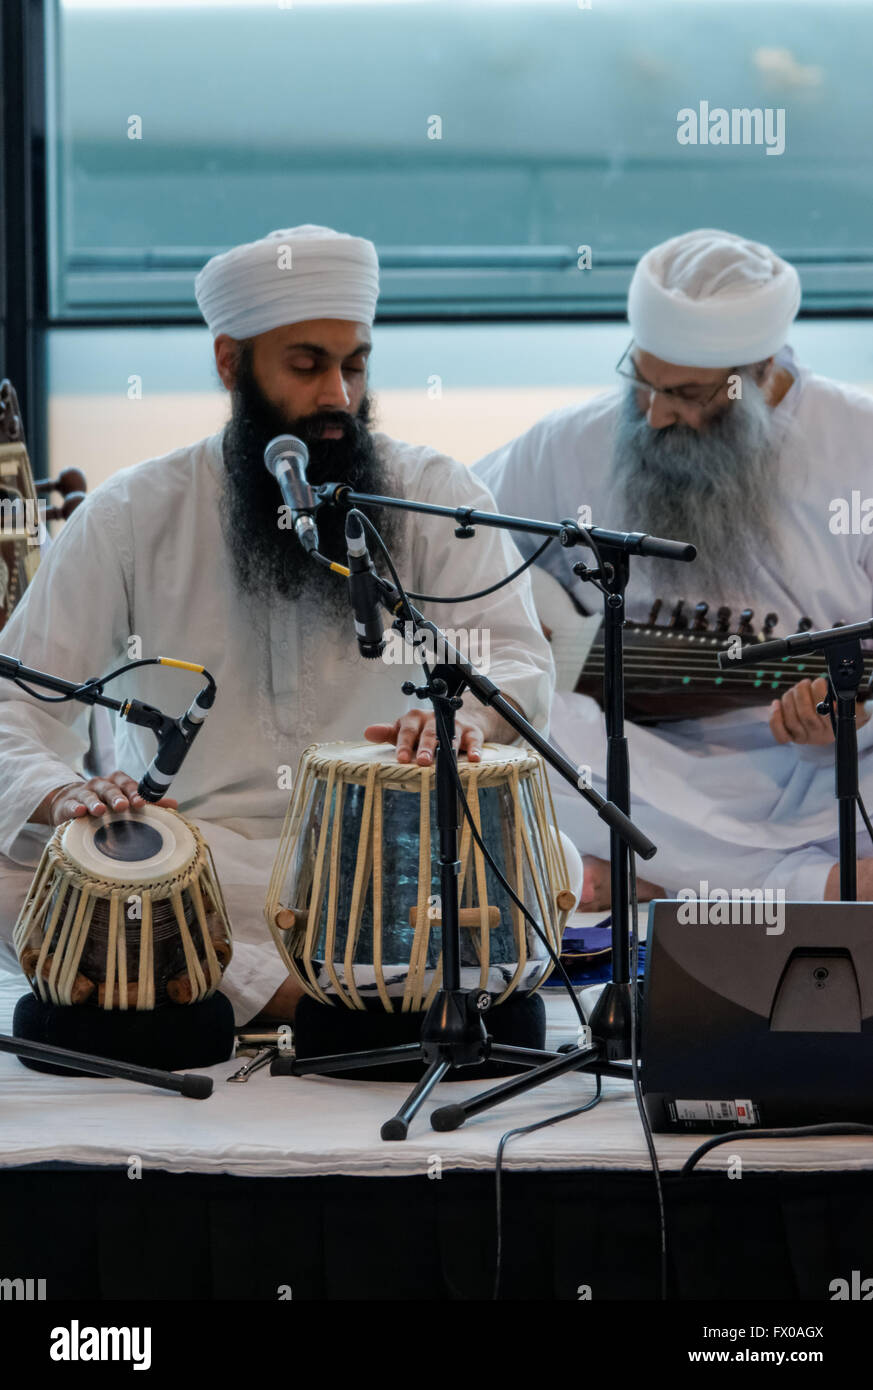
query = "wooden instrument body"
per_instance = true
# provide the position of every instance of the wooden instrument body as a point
(671, 670)
(23, 508)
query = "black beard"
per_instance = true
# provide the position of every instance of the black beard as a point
(268, 561)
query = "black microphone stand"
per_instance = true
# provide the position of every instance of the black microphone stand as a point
(135, 712)
(618, 1006)
(845, 663)
(453, 1033)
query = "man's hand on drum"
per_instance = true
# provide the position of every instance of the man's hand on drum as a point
(114, 792)
(415, 734)
(794, 718)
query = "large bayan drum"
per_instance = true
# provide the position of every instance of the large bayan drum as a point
(124, 912)
(353, 903)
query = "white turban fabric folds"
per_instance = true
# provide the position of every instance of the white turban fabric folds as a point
(712, 299)
(289, 276)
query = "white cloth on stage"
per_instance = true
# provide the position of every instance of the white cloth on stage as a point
(722, 800)
(328, 1126)
(145, 558)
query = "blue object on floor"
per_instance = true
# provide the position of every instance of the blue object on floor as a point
(586, 955)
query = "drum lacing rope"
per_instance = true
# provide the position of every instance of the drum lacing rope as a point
(517, 770)
(82, 891)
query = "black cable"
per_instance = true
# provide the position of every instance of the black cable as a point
(797, 1132)
(862, 808)
(95, 684)
(483, 593)
(442, 733)
(365, 521)
(498, 1171)
(635, 1071)
(99, 681)
(599, 558)
(35, 694)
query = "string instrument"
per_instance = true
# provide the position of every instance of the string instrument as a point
(23, 509)
(671, 671)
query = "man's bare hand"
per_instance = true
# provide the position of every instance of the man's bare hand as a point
(597, 888)
(283, 1004)
(794, 718)
(115, 792)
(415, 735)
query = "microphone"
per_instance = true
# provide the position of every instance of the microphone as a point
(369, 628)
(173, 746)
(795, 645)
(287, 458)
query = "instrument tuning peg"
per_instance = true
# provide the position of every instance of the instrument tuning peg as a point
(655, 610)
(677, 620)
(744, 627)
(700, 610)
(769, 623)
(804, 625)
(722, 618)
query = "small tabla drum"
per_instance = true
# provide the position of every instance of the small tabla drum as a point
(124, 912)
(353, 903)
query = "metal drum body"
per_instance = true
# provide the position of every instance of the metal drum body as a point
(125, 911)
(354, 903)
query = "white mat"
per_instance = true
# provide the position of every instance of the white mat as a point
(308, 1126)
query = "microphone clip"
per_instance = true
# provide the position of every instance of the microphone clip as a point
(147, 717)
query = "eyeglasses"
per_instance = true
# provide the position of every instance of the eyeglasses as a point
(688, 395)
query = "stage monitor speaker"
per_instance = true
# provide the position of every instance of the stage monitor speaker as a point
(757, 1014)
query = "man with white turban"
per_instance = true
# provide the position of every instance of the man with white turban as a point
(719, 438)
(187, 554)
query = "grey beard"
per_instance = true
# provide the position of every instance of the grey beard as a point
(718, 488)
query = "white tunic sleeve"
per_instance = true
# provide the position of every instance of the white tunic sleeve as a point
(547, 473)
(73, 622)
(520, 475)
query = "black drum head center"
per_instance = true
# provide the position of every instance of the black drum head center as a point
(128, 840)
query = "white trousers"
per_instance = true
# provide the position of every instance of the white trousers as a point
(724, 803)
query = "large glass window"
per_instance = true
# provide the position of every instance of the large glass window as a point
(482, 145)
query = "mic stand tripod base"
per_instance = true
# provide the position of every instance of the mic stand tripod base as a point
(453, 1035)
(611, 1019)
(573, 1059)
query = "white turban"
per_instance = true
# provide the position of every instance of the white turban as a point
(288, 277)
(712, 299)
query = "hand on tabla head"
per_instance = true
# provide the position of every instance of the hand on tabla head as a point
(794, 718)
(114, 792)
(415, 736)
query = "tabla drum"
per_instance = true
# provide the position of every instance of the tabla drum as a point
(353, 903)
(124, 912)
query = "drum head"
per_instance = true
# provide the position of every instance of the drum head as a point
(385, 755)
(130, 846)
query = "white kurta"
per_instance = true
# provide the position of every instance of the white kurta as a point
(722, 800)
(145, 557)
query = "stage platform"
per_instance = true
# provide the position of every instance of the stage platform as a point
(117, 1191)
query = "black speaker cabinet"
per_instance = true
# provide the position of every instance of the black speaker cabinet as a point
(760, 1020)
